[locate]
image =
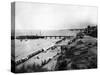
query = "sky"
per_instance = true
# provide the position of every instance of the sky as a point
(40, 16)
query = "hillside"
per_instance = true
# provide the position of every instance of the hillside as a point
(80, 52)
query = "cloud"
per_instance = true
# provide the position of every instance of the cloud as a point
(47, 17)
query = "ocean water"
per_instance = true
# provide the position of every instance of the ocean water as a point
(25, 47)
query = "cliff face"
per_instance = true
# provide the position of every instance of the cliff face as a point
(79, 53)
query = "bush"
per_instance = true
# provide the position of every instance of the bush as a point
(91, 31)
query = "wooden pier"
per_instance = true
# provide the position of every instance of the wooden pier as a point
(43, 37)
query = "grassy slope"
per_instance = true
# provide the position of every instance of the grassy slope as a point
(80, 53)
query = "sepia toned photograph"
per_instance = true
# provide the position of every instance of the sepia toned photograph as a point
(53, 37)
